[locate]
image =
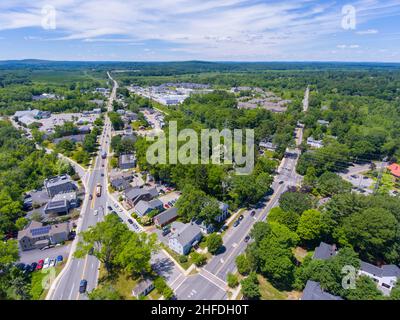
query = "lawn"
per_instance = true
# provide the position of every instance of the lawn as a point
(122, 282)
(184, 265)
(39, 287)
(269, 292)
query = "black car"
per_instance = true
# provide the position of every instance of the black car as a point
(102, 174)
(90, 197)
(91, 251)
(236, 223)
(253, 213)
(241, 217)
(280, 182)
(20, 266)
(109, 208)
(33, 266)
(246, 239)
(130, 221)
(82, 286)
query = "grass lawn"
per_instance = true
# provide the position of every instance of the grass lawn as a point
(269, 292)
(300, 253)
(38, 291)
(122, 282)
(184, 265)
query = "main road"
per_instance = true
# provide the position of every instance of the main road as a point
(66, 285)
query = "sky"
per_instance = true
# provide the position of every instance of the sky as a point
(212, 30)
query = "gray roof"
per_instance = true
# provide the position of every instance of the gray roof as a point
(389, 270)
(127, 158)
(36, 228)
(313, 291)
(58, 180)
(135, 192)
(119, 182)
(187, 234)
(143, 206)
(142, 286)
(324, 251)
(167, 215)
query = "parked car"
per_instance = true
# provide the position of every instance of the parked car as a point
(40, 264)
(33, 266)
(253, 213)
(60, 259)
(96, 212)
(166, 206)
(241, 217)
(46, 263)
(130, 221)
(52, 262)
(82, 286)
(280, 182)
(20, 266)
(91, 251)
(247, 238)
(236, 223)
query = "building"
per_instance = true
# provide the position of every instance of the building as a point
(394, 169)
(143, 288)
(184, 237)
(323, 122)
(134, 195)
(325, 251)
(127, 161)
(62, 203)
(313, 291)
(84, 129)
(37, 236)
(314, 143)
(385, 276)
(131, 116)
(59, 184)
(207, 228)
(166, 217)
(268, 145)
(144, 207)
(34, 114)
(119, 184)
(73, 138)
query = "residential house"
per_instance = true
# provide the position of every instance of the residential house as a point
(184, 237)
(385, 276)
(119, 184)
(127, 161)
(166, 217)
(144, 207)
(314, 143)
(313, 291)
(134, 195)
(59, 184)
(143, 288)
(325, 251)
(268, 145)
(37, 236)
(394, 169)
(62, 203)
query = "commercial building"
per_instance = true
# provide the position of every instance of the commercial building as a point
(166, 217)
(37, 236)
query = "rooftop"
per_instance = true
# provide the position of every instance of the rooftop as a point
(324, 251)
(313, 291)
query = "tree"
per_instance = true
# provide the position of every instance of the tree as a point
(21, 223)
(107, 292)
(214, 243)
(107, 239)
(329, 183)
(36, 216)
(232, 280)
(198, 258)
(243, 264)
(190, 203)
(250, 288)
(295, 201)
(373, 233)
(210, 211)
(365, 289)
(395, 293)
(311, 226)
(288, 218)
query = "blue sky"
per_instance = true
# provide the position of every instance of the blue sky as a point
(216, 30)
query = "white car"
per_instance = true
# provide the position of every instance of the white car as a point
(46, 263)
(96, 212)
(52, 262)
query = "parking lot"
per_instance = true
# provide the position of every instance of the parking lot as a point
(172, 196)
(60, 118)
(35, 255)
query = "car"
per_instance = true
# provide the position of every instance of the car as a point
(247, 238)
(236, 223)
(109, 208)
(52, 262)
(34, 266)
(82, 286)
(102, 165)
(241, 217)
(40, 265)
(27, 268)
(166, 206)
(170, 203)
(96, 212)
(46, 263)
(90, 196)
(280, 182)
(130, 221)
(253, 213)
(91, 251)
(20, 266)
(60, 258)
(102, 174)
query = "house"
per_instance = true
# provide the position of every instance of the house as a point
(385, 276)
(313, 291)
(131, 116)
(121, 112)
(323, 122)
(59, 184)
(184, 237)
(84, 129)
(394, 169)
(166, 217)
(127, 161)
(119, 184)
(143, 288)
(134, 195)
(37, 236)
(207, 228)
(325, 251)
(62, 203)
(268, 145)
(144, 207)
(73, 138)
(314, 143)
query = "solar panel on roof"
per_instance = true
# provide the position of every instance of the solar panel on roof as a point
(41, 230)
(56, 204)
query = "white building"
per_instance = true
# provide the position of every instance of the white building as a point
(184, 237)
(385, 276)
(314, 143)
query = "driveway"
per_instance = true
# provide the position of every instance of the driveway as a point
(35, 255)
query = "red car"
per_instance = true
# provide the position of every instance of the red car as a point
(166, 206)
(40, 265)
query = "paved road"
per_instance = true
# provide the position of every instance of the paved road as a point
(66, 286)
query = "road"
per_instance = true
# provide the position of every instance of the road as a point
(209, 285)
(66, 286)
